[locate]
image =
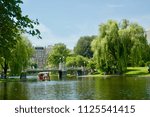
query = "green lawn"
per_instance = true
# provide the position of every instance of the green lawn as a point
(137, 71)
(131, 71)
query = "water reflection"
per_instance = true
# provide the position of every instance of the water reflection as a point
(13, 91)
(83, 88)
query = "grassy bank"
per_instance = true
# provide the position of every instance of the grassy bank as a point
(131, 71)
(16, 80)
(137, 71)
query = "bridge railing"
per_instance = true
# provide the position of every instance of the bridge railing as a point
(55, 69)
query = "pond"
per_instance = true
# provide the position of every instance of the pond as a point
(86, 88)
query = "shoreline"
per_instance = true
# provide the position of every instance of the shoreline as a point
(84, 76)
(124, 75)
(131, 72)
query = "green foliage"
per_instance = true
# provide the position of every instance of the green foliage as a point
(83, 46)
(20, 56)
(91, 65)
(141, 63)
(76, 61)
(147, 64)
(118, 45)
(12, 24)
(139, 47)
(11, 15)
(146, 56)
(71, 61)
(58, 54)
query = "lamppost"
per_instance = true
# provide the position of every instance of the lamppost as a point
(62, 69)
(61, 63)
(84, 68)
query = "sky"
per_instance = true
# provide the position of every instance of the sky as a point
(65, 21)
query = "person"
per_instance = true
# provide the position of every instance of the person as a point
(40, 76)
(46, 76)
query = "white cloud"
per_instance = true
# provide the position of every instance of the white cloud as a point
(51, 38)
(48, 38)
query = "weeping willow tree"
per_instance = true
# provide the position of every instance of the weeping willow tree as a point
(139, 49)
(20, 56)
(118, 45)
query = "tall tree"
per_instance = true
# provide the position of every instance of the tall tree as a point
(20, 56)
(12, 25)
(76, 61)
(140, 44)
(58, 54)
(83, 46)
(118, 45)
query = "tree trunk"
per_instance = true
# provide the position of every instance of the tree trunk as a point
(5, 68)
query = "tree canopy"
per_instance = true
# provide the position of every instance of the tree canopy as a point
(10, 11)
(76, 61)
(12, 24)
(58, 54)
(83, 46)
(119, 45)
(20, 56)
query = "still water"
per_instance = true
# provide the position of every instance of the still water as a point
(116, 88)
